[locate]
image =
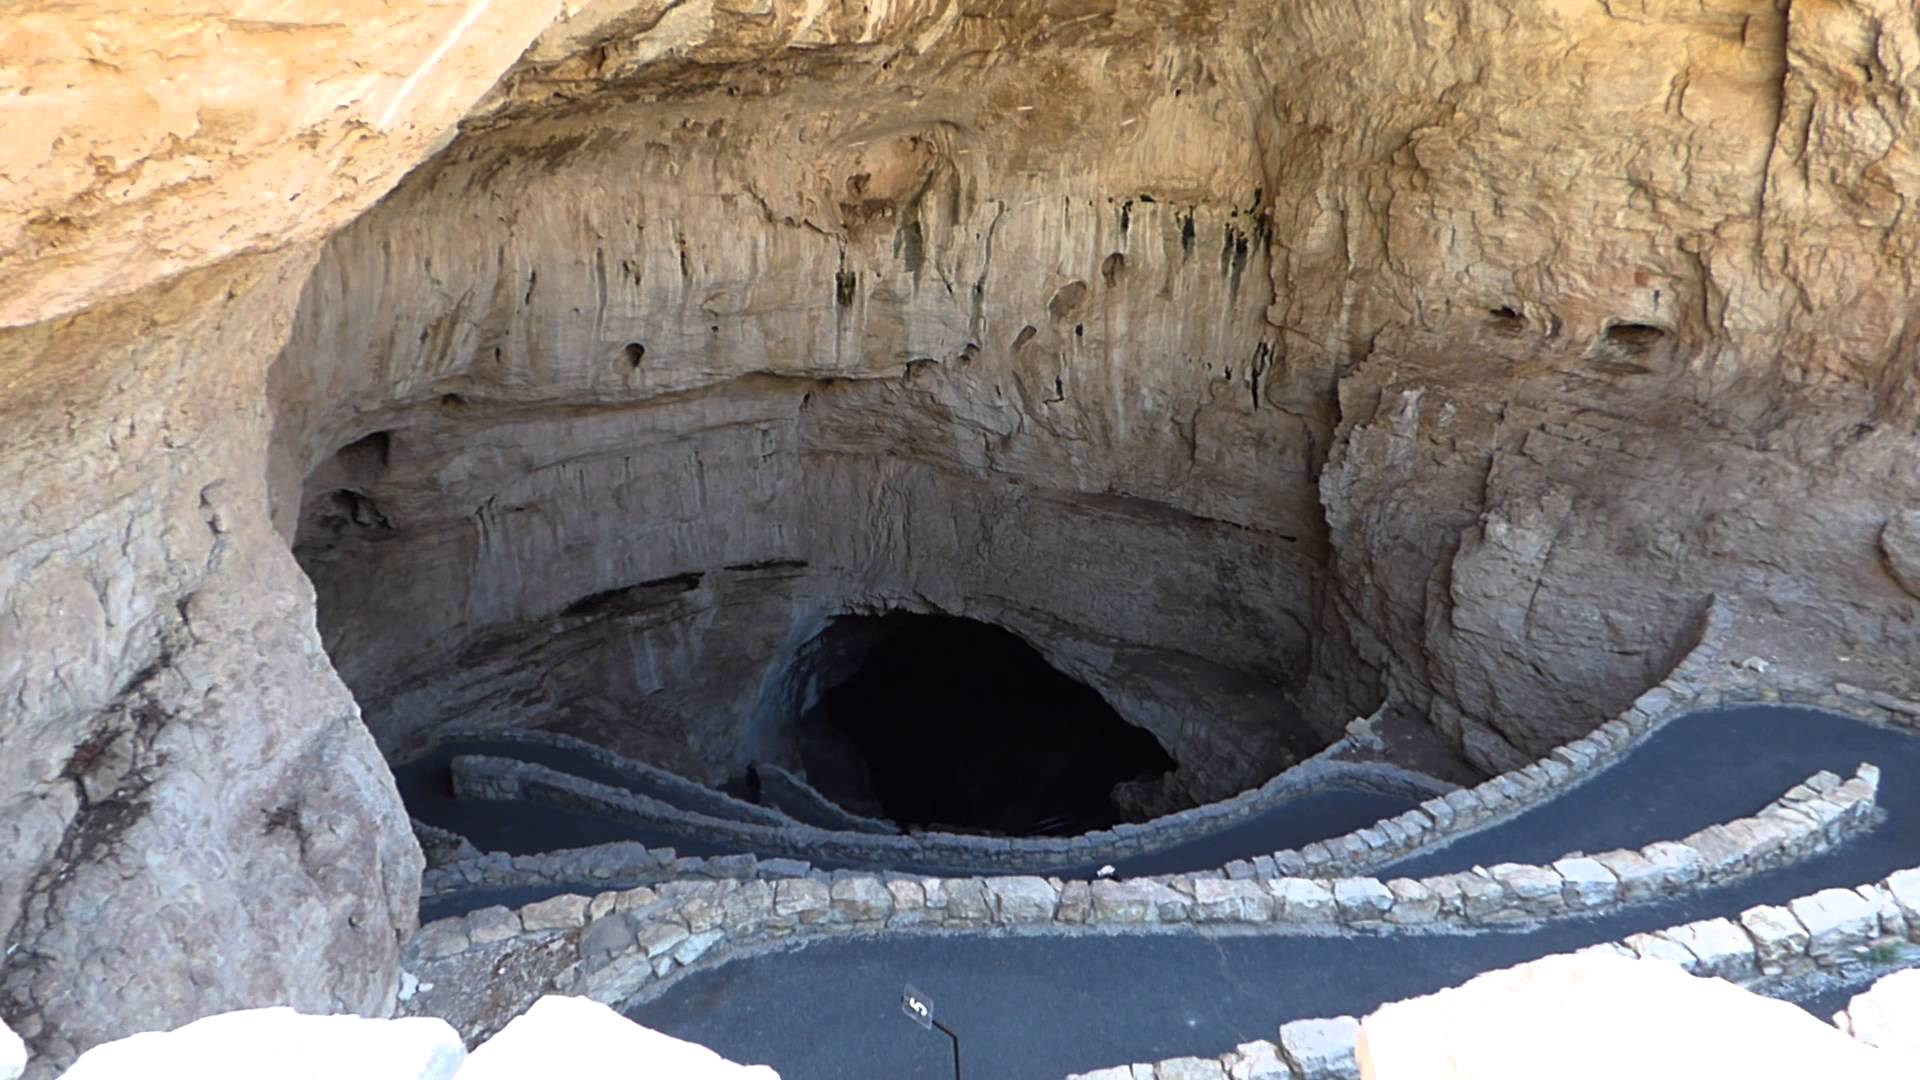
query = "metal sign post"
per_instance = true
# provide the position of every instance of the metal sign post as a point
(919, 1009)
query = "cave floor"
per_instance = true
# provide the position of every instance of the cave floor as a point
(1043, 1007)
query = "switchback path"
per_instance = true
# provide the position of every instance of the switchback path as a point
(1042, 1007)
(531, 827)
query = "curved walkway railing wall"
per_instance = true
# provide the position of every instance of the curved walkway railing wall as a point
(799, 800)
(1823, 930)
(480, 776)
(648, 781)
(488, 777)
(1702, 679)
(637, 941)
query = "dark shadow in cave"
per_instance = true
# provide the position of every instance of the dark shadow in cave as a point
(957, 724)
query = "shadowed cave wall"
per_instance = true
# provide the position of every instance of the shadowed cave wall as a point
(1457, 389)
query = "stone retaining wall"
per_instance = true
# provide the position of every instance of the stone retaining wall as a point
(618, 945)
(798, 800)
(1702, 679)
(1710, 675)
(1829, 929)
(487, 777)
(649, 781)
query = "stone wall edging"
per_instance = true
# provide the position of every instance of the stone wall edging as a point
(1827, 929)
(654, 782)
(628, 861)
(1688, 686)
(497, 778)
(784, 789)
(1692, 684)
(637, 941)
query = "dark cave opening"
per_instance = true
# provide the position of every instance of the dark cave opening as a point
(945, 722)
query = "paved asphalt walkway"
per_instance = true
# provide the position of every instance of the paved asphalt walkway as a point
(529, 827)
(1042, 1007)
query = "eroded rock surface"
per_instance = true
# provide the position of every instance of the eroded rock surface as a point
(1449, 358)
(1604, 1016)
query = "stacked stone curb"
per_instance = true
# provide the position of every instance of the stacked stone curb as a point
(798, 800)
(1830, 929)
(1703, 679)
(628, 943)
(643, 780)
(487, 777)
(636, 942)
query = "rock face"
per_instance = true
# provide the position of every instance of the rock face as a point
(1883, 1015)
(281, 1042)
(147, 139)
(576, 1037)
(13, 1054)
(1458, 389)
(1606, 1016)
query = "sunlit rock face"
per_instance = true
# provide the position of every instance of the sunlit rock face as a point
(636, 438)
(1231, 354)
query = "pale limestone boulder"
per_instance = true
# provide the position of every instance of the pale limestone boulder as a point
(1321, 1048)
(1887, 1015)
(1779, 939)
(1722, 947)
(1600, 1017)
(1023, 899)
(1221, 900)
(1257, 1060)
(584, 1040)
(1904, 886)
(555, 913)
(861, 899)
(281, 1043)
(1190, 1068)
(1837, 920)
(13, 1054)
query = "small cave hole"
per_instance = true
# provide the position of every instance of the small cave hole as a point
(950, 723)
(1634, 337)
(452, 401)
(1506, 320)
(634, 353)
(1112, 267)
(1020, 339)
(345, 509)
(369, 453)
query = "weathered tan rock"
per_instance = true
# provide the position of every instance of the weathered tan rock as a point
(1883, 1015)
(281, 1042)
(1603, 1016)
(1460, 388)
(570, 1036)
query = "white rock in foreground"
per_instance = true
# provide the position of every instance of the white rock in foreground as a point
(280, 1043)
(1886, 1015)
(13, 1054)
(582, 1039)
(1599, 1017)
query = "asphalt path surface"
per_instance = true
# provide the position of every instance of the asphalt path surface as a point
(1046, 1006)
(529, 827)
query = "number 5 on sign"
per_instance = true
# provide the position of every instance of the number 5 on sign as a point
(917, 1006)
(919, 1009)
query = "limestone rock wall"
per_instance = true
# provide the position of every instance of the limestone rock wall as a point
(195, 818)
(1472, 344)
(1617, 301)
(787, 364)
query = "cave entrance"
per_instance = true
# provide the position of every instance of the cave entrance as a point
(938, 721)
